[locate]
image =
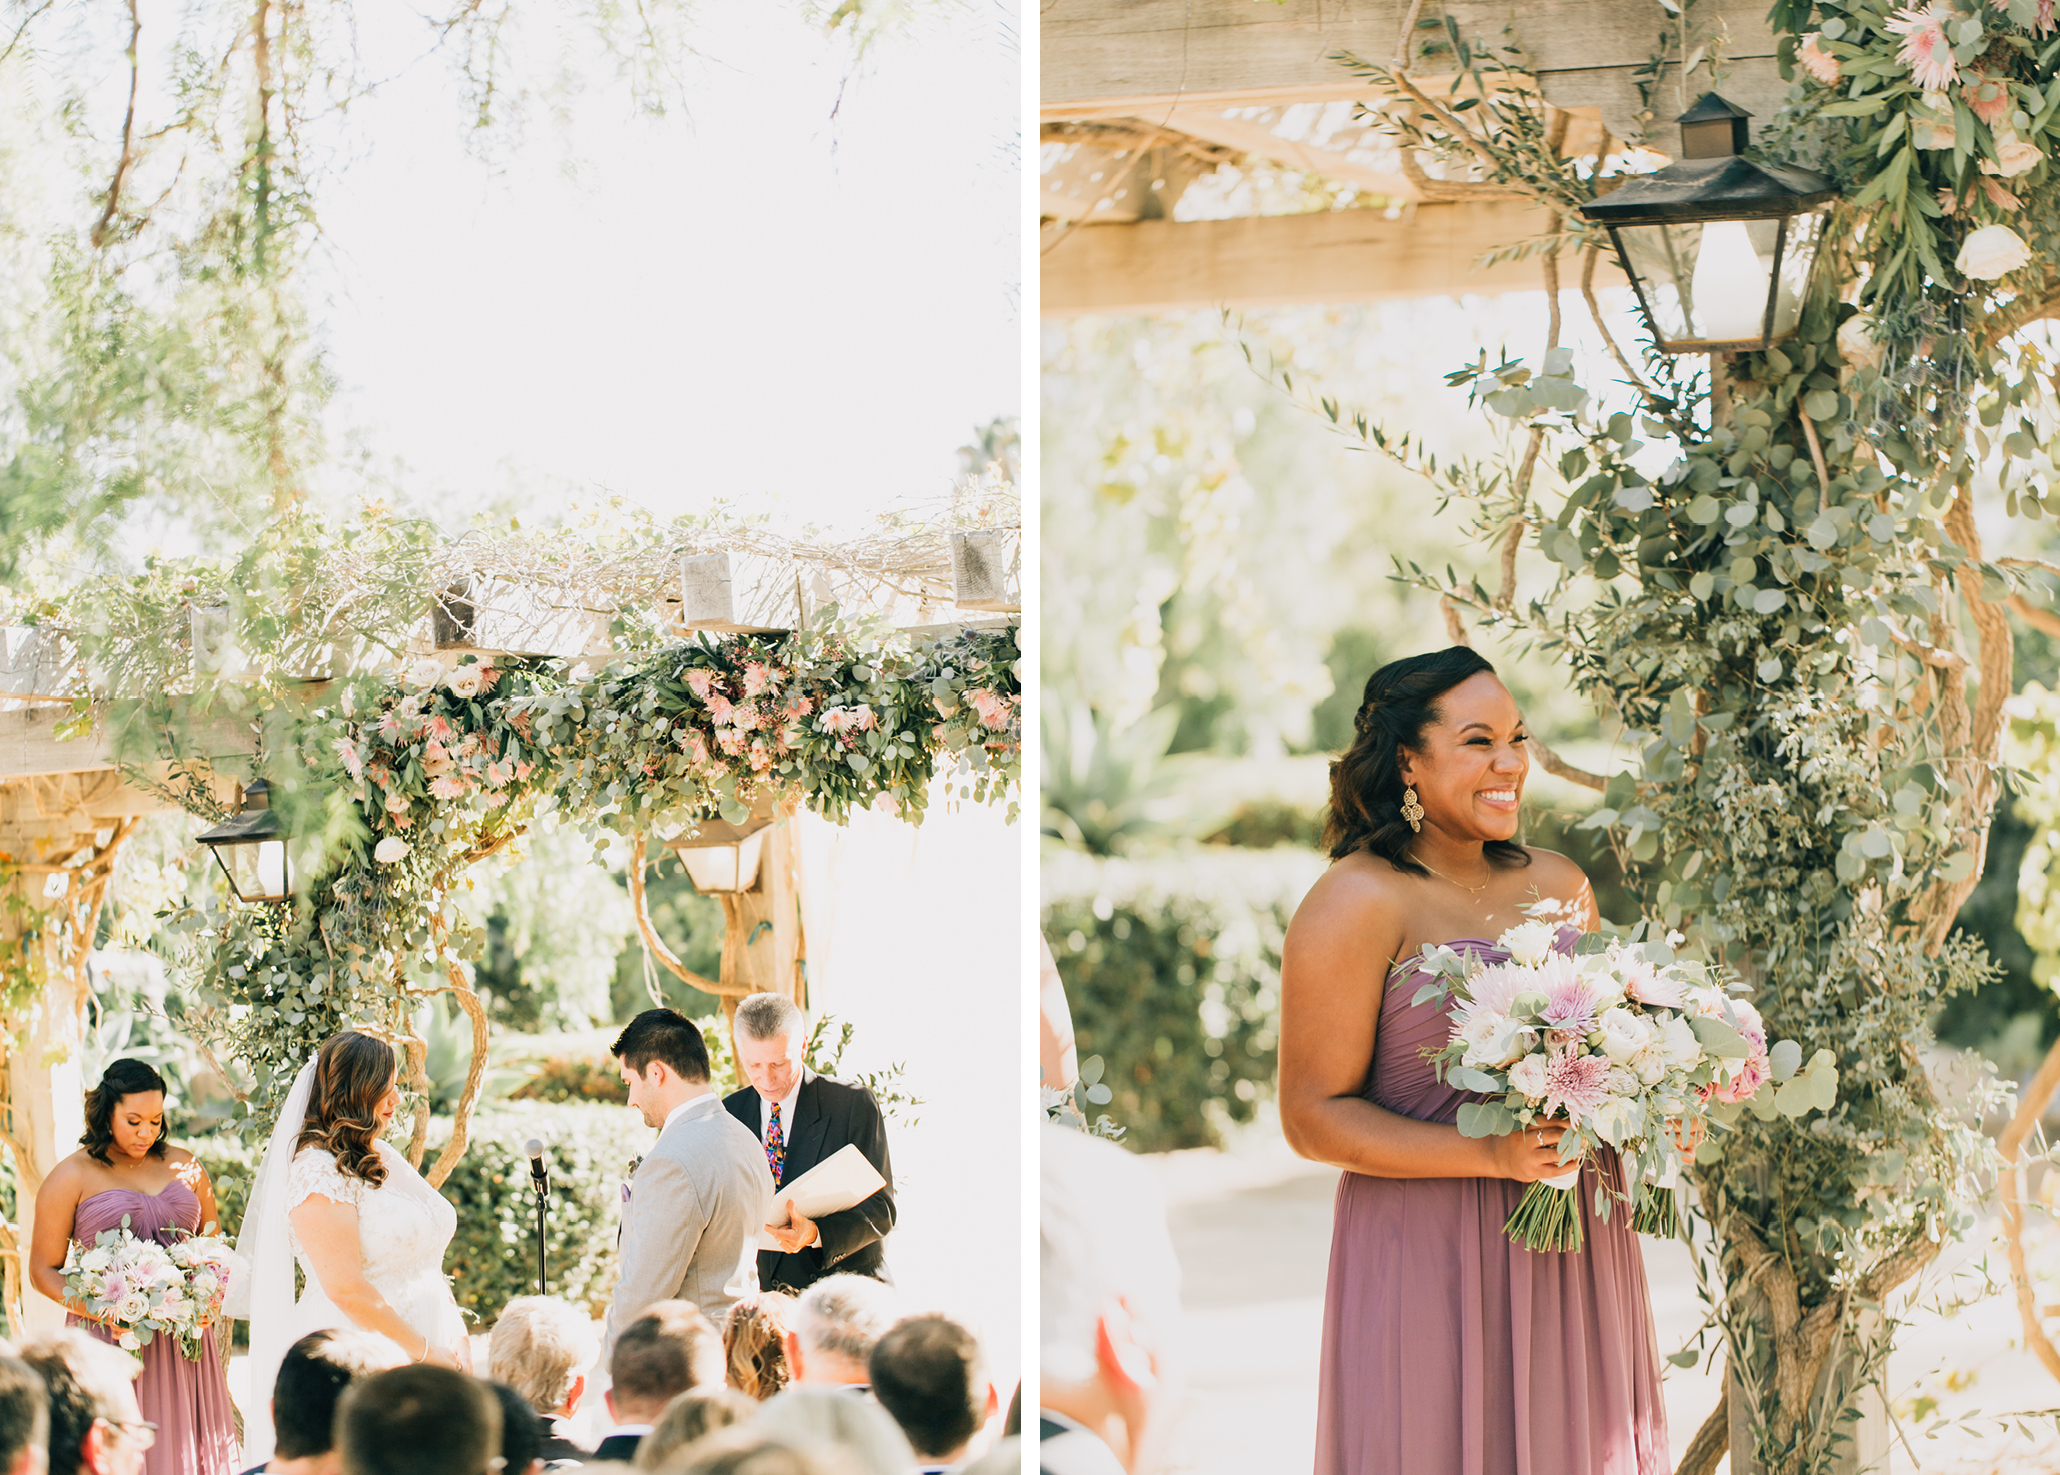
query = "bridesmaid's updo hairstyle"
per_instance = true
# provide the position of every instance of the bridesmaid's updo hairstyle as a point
(352, 1071)
(121, 1078)
(1401, 700)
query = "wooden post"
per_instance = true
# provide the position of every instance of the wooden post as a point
(47, 1100)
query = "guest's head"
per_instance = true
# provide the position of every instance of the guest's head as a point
(95, 1426)
(24, 1419)
(312, 1378)
(769, 1034)
(355, 1092)
(418, 1420)
(829, 1420)
(750, 1451)
(541, 1347)
(754, 1341)
(696, 1412)
(660, 1355)
(522, 1432)
(1108, 1292)
(664, 1062)
(1446, 727)
(833, 1326)
(125, 1114)
(929, 1373)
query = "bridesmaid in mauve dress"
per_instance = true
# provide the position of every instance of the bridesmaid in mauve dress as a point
(126, 1169)
(1446, 1347)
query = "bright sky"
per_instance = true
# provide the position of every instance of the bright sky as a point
(752, 301)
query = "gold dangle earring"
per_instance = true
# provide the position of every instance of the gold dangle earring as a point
(1411, 810)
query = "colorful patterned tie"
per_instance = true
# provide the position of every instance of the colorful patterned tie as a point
(775, 1145)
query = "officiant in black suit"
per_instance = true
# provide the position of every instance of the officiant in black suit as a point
(801, 1119)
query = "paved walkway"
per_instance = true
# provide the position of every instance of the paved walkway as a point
(1252, 1229)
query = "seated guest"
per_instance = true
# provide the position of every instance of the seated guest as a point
(754, 1342)
(312, 1376)
(24, 1419)
(747, 1451)
(829, 1421)
(929, 1373)
(96, 1426)
(664, 1352)
(522, 1432)
(832, 1329)
(696, 1412)
(541, 1348)
(418, 1420)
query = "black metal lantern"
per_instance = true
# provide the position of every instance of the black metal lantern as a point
(1717, 248)
(251, 847)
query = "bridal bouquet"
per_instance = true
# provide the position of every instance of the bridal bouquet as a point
(1621, 1041)
(145, 1290)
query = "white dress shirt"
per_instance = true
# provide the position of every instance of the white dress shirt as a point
(786, 1112)
(697, 1106)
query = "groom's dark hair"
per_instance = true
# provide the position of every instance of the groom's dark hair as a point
(418, 1420)
(313, 1376)
(667, 1035)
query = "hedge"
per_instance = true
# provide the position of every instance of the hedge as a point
(1172, 972)
(492, 1258)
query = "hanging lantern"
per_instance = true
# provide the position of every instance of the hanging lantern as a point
(1717, 248)
(722, 858)
(251, 847)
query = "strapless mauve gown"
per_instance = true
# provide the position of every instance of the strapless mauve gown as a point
(1448, 1350)
(188, 1401)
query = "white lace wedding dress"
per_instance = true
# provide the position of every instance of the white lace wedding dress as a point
(404, 1226)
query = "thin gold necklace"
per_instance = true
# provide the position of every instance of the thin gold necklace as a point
(1473, 891)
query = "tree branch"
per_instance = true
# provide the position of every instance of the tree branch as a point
(121, 169)
(649, 932)
(1709, 1444)
(2015, 1189)
(1558, 767)
(2043, 620)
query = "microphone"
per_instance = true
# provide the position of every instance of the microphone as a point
(540, 1179)
(535, 1148)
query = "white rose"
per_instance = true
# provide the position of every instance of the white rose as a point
(1529, 942)
(464, 680)
(128, 1342)
(2013, 157)
(1494, 1039)
(1651, 1063)
(1528, 1076)
(1679, 1042)
(1617, 1119)
(1624, 1034)
(425, 673)
(1856, 344)
(131, 1308)
(1991, 252)
(389, 850)
(96, 1260)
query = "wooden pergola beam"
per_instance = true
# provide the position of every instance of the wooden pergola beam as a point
(1161, 267)
(31, 748)
(1123, 58)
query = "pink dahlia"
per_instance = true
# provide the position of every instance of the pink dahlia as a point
(348, 752)
(1925, 50)
(449, 786)
(1570, 1006)
(1578, 1082)
(1817, 62)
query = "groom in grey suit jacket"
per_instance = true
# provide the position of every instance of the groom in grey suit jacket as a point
(692, 1212)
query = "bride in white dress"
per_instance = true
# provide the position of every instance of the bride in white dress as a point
(367, 1230)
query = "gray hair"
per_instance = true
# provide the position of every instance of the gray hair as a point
(767, 1016)
(843, 1315)
(825, 1420)
(538, 1347)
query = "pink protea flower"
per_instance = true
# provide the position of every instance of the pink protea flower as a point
(450, 786)
(435, 760)
(868, 719)
(1987, 98)
(992, 707)
(701, 681)
(697, 748)
(348, 752)
(497, 775)
(1817, 62)
(487, 677)
(388, 726)
(1578, 1082)
(522, 770)
(1925, 49)
(439, 727)
(721, 708)
(757, 678)
(798, 706)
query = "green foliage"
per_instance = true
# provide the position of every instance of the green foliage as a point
(1172, 971)
(1104, 788)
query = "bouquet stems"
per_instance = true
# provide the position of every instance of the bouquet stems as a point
(1547, 1218)
(1657, 1215)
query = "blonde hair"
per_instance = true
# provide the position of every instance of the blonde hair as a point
(538, 1347)
(696, 1412)
(752, 1344)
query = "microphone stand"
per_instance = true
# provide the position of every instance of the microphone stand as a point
(540, 1180)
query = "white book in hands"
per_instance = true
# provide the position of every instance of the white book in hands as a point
(844, 1178)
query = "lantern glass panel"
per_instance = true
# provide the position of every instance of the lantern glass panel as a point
(719, 868)
(1705, 284)
(256, 869)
